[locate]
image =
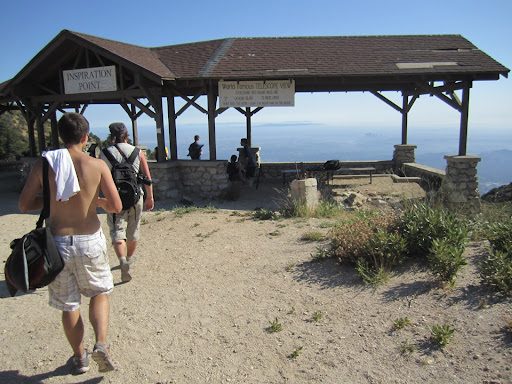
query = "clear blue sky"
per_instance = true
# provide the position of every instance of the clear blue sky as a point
(28, 25)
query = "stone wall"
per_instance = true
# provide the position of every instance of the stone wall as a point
(189, 178)
(208, 178)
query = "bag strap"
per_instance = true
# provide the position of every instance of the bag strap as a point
(132, 157)
(45, 212)
(110, 157)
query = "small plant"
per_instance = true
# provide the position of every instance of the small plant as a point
(292, 311)
(508, 326)
(180, 211)
(275, 326)
(312, 236)
(276, 232)
(317, 316)
(321, 254)
(406, 348)
(328, 209)
(295, 353)
(143, 221)
(441, 335)
(446, 260)
(483, 303)
(264, 214)
(210, 209)
(369, 274)
(205, 236)
(295, 208)
(290, 266)
(400, 323)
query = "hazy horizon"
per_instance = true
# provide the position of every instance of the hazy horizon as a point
(305, 142)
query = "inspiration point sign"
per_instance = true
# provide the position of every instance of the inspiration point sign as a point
(87, 80)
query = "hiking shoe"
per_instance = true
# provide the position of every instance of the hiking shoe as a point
(125, 272)
(101, 356)
(80, 364)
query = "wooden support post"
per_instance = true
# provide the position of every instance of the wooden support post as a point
(212, 104)
(135, 131)
(31, 135)
(464, 114)
(159, 120)
(405, 112)
(40, 131)
(248, 126)
(55, 132)
(171, 116)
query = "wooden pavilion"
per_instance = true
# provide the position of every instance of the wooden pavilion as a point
(76, 70)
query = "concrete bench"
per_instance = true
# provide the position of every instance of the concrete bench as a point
(370, 170)
(328, 173)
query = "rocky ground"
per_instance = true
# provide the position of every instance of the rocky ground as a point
(211, 285)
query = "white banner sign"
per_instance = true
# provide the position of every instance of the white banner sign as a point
(270, 93)
(87, 80)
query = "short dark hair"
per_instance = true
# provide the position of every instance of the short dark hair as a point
(72, 127)
(196, 137)
(118, 137)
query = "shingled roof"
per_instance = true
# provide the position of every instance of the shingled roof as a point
(352, 56)
(335, 63)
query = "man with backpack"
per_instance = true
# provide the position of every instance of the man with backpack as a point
(127, 163)
(195, 149)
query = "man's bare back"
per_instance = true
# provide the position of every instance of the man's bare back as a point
(77, 216)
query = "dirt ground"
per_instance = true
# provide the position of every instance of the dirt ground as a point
(208, 284)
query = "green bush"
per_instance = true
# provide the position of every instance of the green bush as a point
(382, 252)
(446, 260)
(351, 241)
(421, 224)
(499, 235)
(496, 272)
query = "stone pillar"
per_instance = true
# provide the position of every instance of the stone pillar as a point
(305, 190)
(461, 181)
(403, 153)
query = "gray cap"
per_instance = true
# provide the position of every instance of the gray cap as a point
(117, 129)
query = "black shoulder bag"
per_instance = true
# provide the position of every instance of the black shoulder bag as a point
(35, 260)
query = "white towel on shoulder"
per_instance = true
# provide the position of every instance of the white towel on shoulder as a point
(65, 174)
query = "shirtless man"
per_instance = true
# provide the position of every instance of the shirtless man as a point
(76, 228)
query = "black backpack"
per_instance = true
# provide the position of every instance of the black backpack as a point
(125, 177)
(194, 151)
(332, 165)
